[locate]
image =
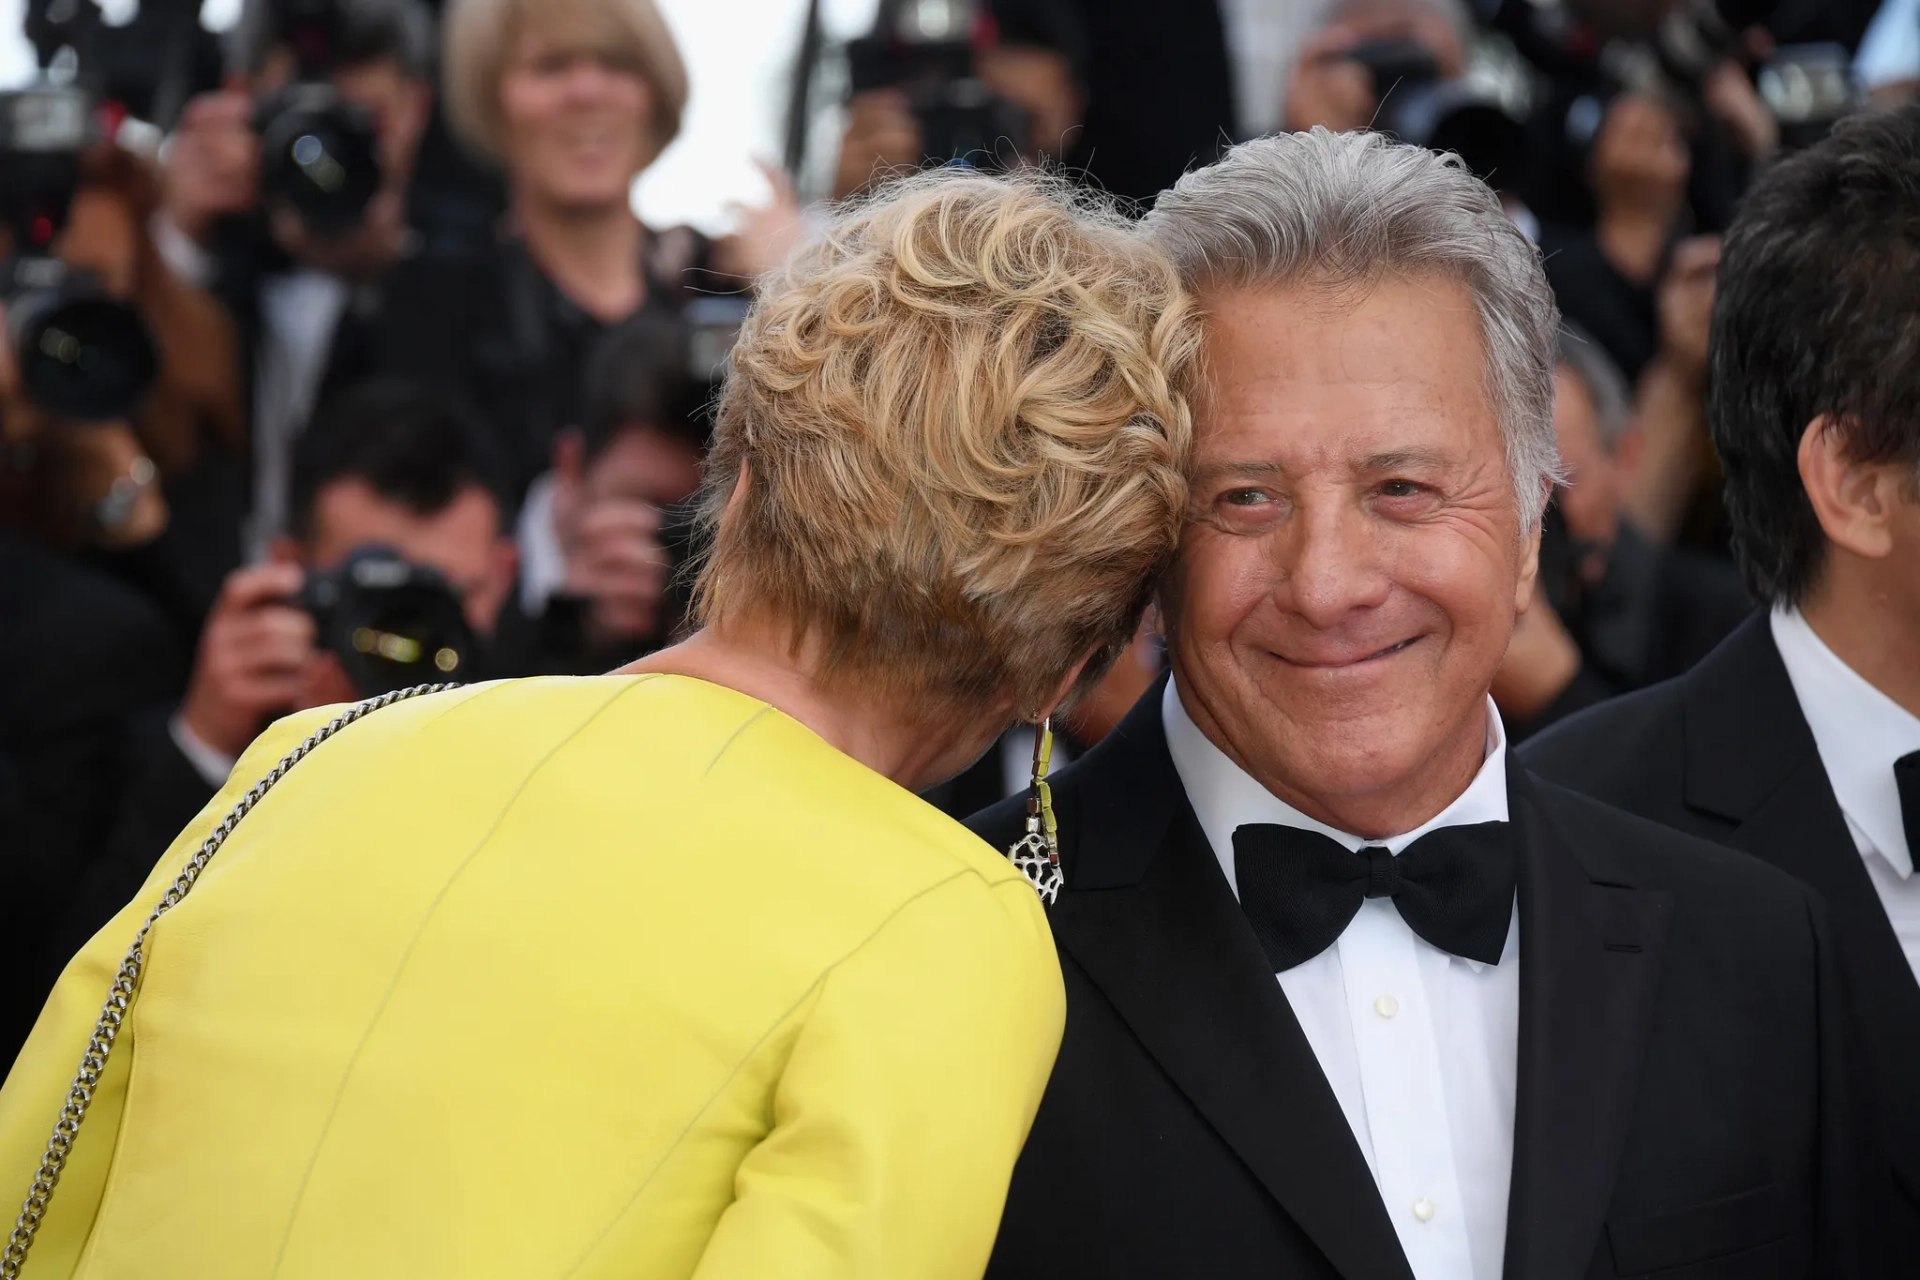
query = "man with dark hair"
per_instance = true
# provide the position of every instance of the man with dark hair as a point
(1798, 740)
(391, 464)
(599, 533)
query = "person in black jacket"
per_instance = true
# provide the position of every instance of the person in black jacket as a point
(1617, 610)
(302, 298)
(1798, 739)
(572, 103)
(82, 659)
(1349, 992)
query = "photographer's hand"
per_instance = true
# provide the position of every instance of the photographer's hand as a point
(212, 163)
(1542, 660)
(881, 135)
(1327, 87)
(253, 660)
(617, 563)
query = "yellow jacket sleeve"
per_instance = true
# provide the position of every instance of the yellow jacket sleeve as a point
(37, 1087)
(909, 1092)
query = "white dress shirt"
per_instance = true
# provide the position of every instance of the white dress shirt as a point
(1263, 40)
(299, 312)
(1860, 732)
(543, 562)
(1420, 1046)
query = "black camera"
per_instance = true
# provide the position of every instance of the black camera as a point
(1419, 106)
(925, 48)
(319, 154)
(80, 353)
(392, 623)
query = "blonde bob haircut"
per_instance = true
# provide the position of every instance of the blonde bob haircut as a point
(951, 445)
(478, 37)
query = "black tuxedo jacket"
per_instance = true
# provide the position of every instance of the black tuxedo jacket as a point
(1682, 1104)
(1724, 752)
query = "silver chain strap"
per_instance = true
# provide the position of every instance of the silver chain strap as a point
(126, 983)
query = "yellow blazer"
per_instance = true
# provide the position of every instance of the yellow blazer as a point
(623, 976)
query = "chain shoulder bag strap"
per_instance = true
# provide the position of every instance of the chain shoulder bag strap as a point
(127, 982)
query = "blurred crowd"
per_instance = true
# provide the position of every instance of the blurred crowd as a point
(336, 359)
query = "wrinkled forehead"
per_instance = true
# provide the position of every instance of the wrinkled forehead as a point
(1313, 376)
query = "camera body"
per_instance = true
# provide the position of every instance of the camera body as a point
(1420, 106)
(392, 623)
(319, 154)
(81, 353)
(925, 49)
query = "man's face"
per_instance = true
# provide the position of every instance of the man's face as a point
(1594, 493)
(463, 541)
(1350, 578)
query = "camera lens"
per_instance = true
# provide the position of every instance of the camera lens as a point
(82, 355)
(392, 624)
(319, 156)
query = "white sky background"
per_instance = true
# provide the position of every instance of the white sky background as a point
(739, 57)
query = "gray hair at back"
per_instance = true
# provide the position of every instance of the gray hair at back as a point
(1346, 210)
(1605, 385)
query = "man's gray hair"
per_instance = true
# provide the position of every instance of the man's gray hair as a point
(1346, 210)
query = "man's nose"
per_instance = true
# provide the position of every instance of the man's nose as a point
(1328, 564)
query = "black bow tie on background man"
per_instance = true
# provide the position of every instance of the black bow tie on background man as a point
(1453, 886)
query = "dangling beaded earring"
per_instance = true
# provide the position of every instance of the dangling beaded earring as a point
(1037, 854)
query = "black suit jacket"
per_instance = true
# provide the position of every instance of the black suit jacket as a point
(1725, 753)
(1681, 1102)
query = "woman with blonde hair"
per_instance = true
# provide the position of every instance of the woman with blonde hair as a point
(572, 100)
(668, 972)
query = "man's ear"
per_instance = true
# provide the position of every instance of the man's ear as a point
(1854, 501)
(1629, 449)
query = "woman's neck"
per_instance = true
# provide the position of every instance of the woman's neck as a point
(876, 730)
(592, 255)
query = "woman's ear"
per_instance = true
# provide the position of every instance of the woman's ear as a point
(1854, 501)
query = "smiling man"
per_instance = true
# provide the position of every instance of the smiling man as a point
(1349, 993)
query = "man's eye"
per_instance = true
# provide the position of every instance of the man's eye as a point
(1244, 497)
(1400, 489)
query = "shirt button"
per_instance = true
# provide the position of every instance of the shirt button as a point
(1423, 1209)
(1386, 1006)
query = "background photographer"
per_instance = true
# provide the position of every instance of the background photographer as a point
(599, 535)
(300, 269)
(1026, 64)
(388, 464)
(1615, 611)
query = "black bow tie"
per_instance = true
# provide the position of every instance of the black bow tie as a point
(1906, 776)
(1300, 889)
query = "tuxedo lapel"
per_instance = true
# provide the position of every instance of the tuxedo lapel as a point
(1150, 918)
(1590, 957)
(1751, 761)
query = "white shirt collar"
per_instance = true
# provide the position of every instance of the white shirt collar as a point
(1859, 731)
(1224, 796)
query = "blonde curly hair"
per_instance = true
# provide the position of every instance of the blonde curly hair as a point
(958, 426)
